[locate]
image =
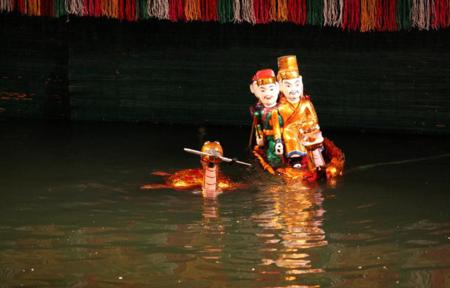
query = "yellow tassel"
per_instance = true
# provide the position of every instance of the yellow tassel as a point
(115, 11)
(368, 15)
(33, 7)
(192, 10)
(38, 7)
(282, 11)
(104, 4)
(273, 10)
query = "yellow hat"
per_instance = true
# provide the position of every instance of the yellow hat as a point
(287, 67)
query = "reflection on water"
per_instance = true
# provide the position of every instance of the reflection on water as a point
(291, 225)
(204, 242)
(72, 214)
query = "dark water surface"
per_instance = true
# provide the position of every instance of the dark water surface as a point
(72, 213)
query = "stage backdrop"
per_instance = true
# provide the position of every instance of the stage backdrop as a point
(105, 70)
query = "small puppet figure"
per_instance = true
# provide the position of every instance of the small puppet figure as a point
(301, 133)
(208, 178)
(210, 162)
(266, 118)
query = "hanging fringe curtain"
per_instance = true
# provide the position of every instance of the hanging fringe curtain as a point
(7, 5)
(225, 10)
(74, 7)
(365, 15)
(208, 10)
(420, 14)
(89, 9)
(176, 10)
(141, 9)
(386, 15)
(92, 8)
(332, 12)
(297, 12)
(121, 10)
(130, 10)
(351, 15)
(404, 14)
(158, 9)
(98, 8)
(279, 10)
(261, 9)
(112, 8)
(315, 12)
(439, 13)
(192, 10)
(20, 6)
(237, 11)
(368, 15)
(272, 10)
(106, 8)
(59, 8)
(33, 7)
(448, 14)
(47, 8)
(248, 12)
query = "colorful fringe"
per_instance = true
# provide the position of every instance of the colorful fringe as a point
(332, 12)
(353, 15)
(297, 12)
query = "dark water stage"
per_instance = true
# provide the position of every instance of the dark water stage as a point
(72, 213)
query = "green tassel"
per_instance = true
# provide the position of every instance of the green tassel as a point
(60, 9)
(141, 7)
(404, 14)
(225, 10)
(315, 12)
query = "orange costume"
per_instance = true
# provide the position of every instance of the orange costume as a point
(300, 120)
(295, 115)
(301, 133)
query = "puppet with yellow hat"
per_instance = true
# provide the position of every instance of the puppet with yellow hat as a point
(301, 133)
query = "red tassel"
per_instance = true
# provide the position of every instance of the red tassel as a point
(98, 8)
(42, 9)
(261, 9)
(297, 11)
(130, 10)
(176, 10)
(21, 6)
(86, 8)
(47, 8)
(379, 16)
(386, 15)
(439, 19)
(209, 10)
(351, 15)
(121, 11)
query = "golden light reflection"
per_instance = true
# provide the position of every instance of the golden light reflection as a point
(292, 226)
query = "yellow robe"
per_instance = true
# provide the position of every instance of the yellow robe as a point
(297, 118)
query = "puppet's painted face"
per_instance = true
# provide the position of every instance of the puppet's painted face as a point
(267, 94)
(292, 89)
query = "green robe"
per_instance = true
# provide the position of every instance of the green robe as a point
(264, 116)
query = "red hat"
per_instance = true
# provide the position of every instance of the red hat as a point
(264, 76)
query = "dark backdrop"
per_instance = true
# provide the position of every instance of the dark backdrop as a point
(157, 71)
